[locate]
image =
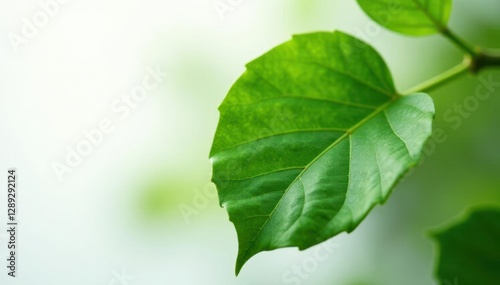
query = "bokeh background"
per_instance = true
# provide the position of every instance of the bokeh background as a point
(139, 209)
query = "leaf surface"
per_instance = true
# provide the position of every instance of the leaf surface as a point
(310, 138)
(470, 250)
(410, 17)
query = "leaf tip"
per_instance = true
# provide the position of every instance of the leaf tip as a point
(239, 266)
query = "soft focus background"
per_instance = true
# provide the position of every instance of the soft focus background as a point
(139, 208)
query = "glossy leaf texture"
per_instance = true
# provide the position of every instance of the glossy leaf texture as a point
(310, 138)
(470, 250)
(410, 17)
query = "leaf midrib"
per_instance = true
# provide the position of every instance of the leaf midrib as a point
(340, 139)
(336, 71)
(436, 22)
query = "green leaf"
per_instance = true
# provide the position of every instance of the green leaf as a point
(470, 250)
(410, 17)
(310, 138)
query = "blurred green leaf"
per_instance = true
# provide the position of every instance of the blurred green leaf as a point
(470, 250)
(410, 17)
(310, 138)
